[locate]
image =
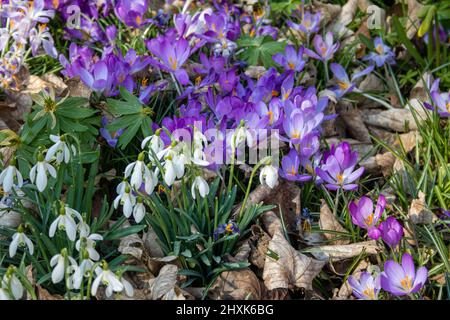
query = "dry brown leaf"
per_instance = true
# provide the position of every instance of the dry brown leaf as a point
(164, 286)
(77, 88)
(151, 244)
(258, 254)
(386, 162)
(392, 119)
(236, 285)
(291, 268)
(328, 11)
(328, 221)
(412, 23)
(348, 12)
(341, 252)
(131, 244)
(346, 290)
(354, 122)
(419, 213)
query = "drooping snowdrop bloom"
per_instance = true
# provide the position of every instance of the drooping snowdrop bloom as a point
(403, 279)
(129, 291)
(107, 278)
(59, 264)
(150, 182)
(65, 221)
(269, 176)
(20, 239)
(241, 135)
(173, 167)
(127, 200)
(81, 271)
(367, 288)
(4, 295)
(365, 217)
(38, 173)
(154, 142)
(138, 171)
(13, 283)
(139, 210)
(88, 243)
(201, 185)
(11, 177)
(60, 150)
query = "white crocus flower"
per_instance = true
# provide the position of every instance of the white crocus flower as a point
(65, 221)
(269, 176)
(38, 173)
(89, 245)
(127, 199)
(13, 283)
(201, 185)
(58, 262)
(20, 239)
(138, 171)
(139, 211)
(107, 278)
(156, 144)
(7, 178)
(60, 149)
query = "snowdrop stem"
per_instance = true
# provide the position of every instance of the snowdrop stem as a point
(249, 186)
(28, 286)
(230, 178)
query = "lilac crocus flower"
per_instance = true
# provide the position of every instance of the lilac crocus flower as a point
(97, 79)
(132, 12)
(367, 288)
(365, 217)
(391, 231)
(403, 279)
(383, 54)
(290, 166)
(310, 23)
(291, 60)
(442, 103)
(229, 228)
(324, 49)
(297, 125)
(338, 169)
(172, 55)
(111, 138)
(344, 84)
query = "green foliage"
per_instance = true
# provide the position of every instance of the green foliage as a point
(259, 50)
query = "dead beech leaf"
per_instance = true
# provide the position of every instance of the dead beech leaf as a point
(412, 23)
(77, 88)
(386, 162)
(164, 286)
(255, 72)
(392, 119)
(236, 285)
(354, 122)
(328, 221)
(131, 244)
(348, 12)
(419, 213)
(346, 290)
(258, 254)
(291, 269)
(341, 252)
(151, 244)
(328, 11)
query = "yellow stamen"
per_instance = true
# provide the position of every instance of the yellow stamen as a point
(379, 49)
(406, 283)
(291, 65)
(144, 82)
(275, 93)
(55, 4)
(340, 178)
(369, 220)
(42, 27)
(447, 106)
(173, 63)
(343, 85)
(252, 33)
(198, 80)
(293, 171)
(270, 114)
(296, 135)
(229, 228)
(369, 293)
(138, 20)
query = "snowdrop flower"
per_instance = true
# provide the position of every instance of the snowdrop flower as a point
(269, 176)
(173, 167)
(107, 278)
(139, 211)
(150, 182)
(58, 262)
(127, 199)
(4, 294)
(7, 178)
(81, 271)
(241, 135)
(127, 287)
(155, 142)
(38, 173)
(13, 283)
(65, 221)
(20, 239)
(138, 171)
(88, 243)
(201, 185)
(60, 149)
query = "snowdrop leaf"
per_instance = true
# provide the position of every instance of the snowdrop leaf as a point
(123, 232)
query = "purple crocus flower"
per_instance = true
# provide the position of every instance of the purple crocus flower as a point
(132, 12)
(344, 84)
(111, 138)
(367, 288)
(97, 79)
(229, 228)
(324, 49)
(310, 23)
(382, 55)
(391, 231)
(228, 80)
(338, 169)
(403, 279)
(172, 55)
(365, 217)
(291, 60)
(442, 103)
(298, 124)
(290, 166)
